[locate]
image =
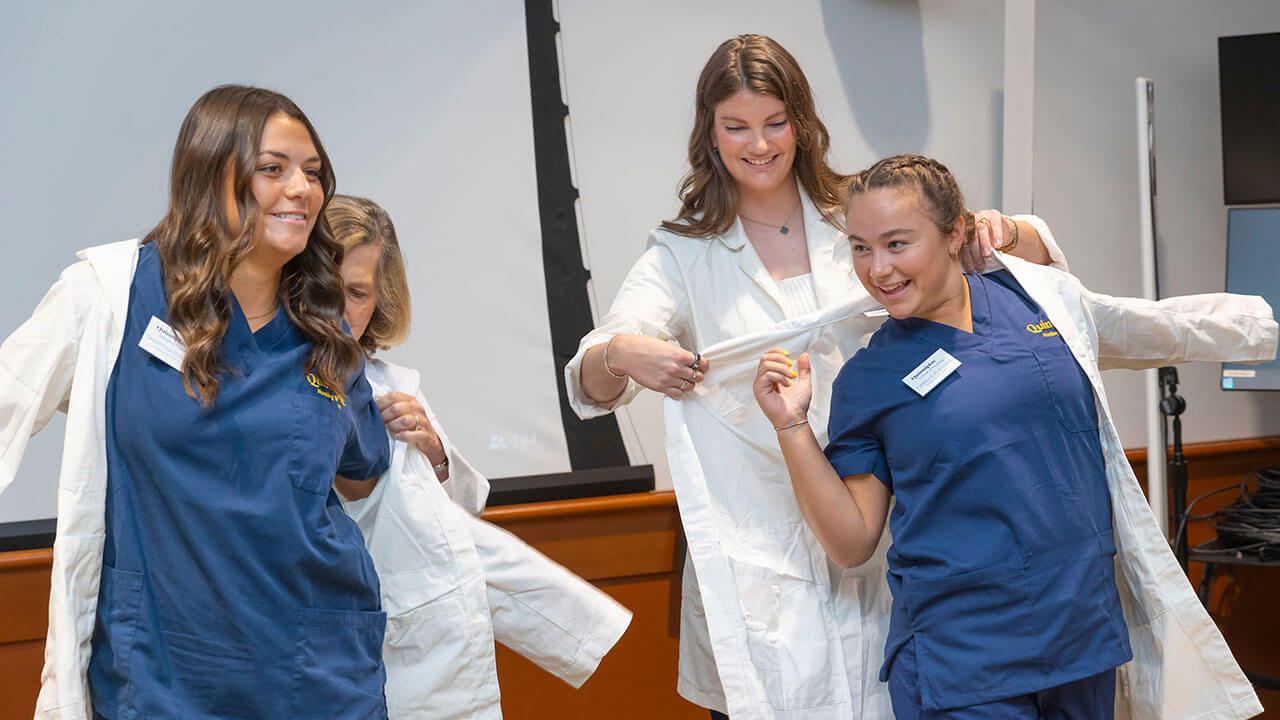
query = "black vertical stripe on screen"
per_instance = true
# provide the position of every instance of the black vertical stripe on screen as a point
(592, 443)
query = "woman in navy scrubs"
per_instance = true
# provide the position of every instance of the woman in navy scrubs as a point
(1002, 573)
(233, 584)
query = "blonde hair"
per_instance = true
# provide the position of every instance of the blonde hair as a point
(356, 221)
(708, 194)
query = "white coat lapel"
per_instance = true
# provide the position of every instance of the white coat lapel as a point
(830, 259)
(751, 264)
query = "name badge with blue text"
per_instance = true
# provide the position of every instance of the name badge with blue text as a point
(932, 371)
(163, 343)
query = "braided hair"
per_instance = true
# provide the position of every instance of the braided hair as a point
(935, 187)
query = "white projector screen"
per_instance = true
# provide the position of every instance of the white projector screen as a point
(423, 107)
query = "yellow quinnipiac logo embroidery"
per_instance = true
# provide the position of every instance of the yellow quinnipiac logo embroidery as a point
(1045, 329)
(321, 389)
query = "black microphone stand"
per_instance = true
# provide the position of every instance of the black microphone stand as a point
(1171, 406)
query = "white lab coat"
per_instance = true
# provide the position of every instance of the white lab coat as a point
(785, 623)
(700, 292)
(452, 583)
(62, 357)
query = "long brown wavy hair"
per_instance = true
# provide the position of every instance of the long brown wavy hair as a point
(935, 187)
(708, 194)
(357, 221)
(198, 249)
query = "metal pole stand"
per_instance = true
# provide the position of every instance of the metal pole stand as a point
(1172, 405)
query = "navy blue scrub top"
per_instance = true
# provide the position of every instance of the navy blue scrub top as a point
(1002, 564)
(233, 584)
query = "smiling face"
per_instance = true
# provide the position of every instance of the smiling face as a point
(901, 257)
(287, 187)
(756, 141)
(360, 283)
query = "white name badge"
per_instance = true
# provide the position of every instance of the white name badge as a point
(163, 343)
(932, 371)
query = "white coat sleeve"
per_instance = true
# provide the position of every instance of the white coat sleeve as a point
(652, 301)
(1057, 258)
(465, 486)
(1135, 333)
(539, 609)
(37, 364)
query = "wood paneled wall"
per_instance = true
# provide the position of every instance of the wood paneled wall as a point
(631, 546)
(1244, 599)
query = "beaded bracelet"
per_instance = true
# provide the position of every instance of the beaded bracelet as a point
(608, 369)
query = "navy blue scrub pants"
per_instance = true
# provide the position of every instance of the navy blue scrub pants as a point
(1092, 698)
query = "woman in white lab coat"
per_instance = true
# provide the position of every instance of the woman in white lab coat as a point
(754, 244)
(451, 583)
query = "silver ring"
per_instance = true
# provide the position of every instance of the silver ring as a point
(697, 358)
(695, 375)
(683, 384)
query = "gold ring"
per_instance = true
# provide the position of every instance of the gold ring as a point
(683, 384)
(984, 220)
(417, 423)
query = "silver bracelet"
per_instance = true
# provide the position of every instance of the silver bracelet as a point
(606, 360)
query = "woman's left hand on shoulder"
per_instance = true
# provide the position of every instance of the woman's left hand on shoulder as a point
(991, 232)
(405, 417)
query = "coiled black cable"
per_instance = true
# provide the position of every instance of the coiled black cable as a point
(1252, 523)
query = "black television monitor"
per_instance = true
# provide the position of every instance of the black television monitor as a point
(1249, 81)
(1253, 268)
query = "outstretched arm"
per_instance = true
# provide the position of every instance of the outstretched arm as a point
(1217, 327)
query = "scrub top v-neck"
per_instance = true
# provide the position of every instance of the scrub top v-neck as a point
(1001, 567)
(233, 585)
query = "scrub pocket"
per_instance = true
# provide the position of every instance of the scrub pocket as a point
(1069, 389)
(1078, 611)
(975, 633)
(788, 622)
(220, 678)
(339, 673)
(316, 440)
(115, 625)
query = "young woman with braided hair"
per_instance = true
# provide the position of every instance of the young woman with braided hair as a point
(978, 407)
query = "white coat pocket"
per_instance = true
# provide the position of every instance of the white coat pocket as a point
(786, 620)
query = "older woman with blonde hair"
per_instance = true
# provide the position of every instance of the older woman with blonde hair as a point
(451, 583)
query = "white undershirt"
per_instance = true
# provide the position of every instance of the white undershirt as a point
(799, 297)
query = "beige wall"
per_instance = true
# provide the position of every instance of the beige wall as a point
(1088, 53)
